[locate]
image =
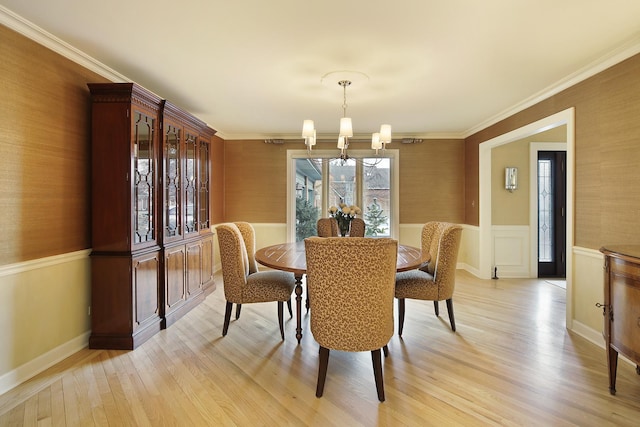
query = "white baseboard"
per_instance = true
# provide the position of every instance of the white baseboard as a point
(595, 337)
(32, 368)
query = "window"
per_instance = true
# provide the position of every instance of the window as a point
(321, 181)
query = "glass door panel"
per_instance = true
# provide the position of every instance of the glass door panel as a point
(191, 186)
(143, 179)
(203, 184)
(172, 173)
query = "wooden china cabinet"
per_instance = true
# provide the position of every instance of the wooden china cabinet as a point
(187, 237)
(152, 258)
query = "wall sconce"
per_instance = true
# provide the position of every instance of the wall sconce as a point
(510, 179)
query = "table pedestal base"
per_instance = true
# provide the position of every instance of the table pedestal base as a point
(298, 291)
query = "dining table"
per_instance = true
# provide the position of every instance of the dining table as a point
(291, 257)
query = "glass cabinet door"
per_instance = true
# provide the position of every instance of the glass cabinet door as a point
(143, 179)
(191, 185)
(172, 182)
(203, 184)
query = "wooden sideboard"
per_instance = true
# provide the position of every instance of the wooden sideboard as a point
(621, 306)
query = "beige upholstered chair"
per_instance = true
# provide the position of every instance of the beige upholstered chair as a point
(351, 287)
(357, 227)
(327, 227)
(240, 287)
(249, 237)
(438, 282)
(429, 240)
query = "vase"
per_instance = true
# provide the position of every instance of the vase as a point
(344, 227)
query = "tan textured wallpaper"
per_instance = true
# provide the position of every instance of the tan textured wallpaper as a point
(45, 154)
(607, 154)
(431, 180)
(512, 208)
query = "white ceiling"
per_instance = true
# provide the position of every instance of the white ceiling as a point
(253, 68)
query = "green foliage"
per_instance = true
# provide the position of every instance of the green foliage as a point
(374, 217)
(306, 219)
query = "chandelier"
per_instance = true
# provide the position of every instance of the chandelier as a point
(379, 140)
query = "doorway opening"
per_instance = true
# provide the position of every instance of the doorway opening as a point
(485, 242)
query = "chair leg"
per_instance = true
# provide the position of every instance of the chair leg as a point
(452, 320)
(289, 307)
(280, 318)
(238, 308)
(377, 373)
(436, 307)
(227, 318)
(322, 370)
(385, 350)
(400, 315)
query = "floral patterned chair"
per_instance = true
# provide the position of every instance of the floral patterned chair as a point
(436, 281)
(240, 287)
(429, 244)
(357, 227)
(351, 288)
(327, 227)
(249, 237)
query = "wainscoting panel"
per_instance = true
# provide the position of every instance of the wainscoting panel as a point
(44, 314)
(511, 250)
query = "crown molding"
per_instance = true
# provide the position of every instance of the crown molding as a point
(625, 51)
(37, 34)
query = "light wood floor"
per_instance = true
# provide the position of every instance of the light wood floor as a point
(511, 362)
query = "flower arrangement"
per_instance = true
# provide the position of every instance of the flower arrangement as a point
(343, 215)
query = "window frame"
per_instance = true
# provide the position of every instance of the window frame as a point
(394, 160)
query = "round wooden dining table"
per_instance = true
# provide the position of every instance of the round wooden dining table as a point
(291, 257)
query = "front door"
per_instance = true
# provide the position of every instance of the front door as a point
(552, 228)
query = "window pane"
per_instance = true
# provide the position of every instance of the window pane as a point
(342, 182)
(376, 197)
(545, 212)
(308, 196)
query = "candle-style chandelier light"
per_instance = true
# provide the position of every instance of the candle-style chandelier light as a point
(379, 140)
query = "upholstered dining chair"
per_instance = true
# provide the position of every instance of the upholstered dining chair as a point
(429, 240)
(249, 237)
(351, 288)
(437, 283)
(357, 228)
(327, 227)
(240, 287)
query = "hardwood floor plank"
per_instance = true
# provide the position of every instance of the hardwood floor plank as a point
(511, 362)
(44, 407)
(31, 412)
(57, 404)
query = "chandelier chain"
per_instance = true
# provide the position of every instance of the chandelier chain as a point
(344, 84)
